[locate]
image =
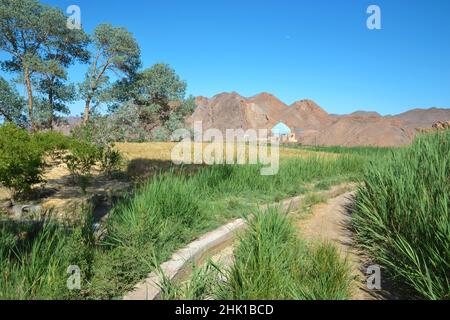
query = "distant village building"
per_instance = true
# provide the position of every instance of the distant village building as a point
(283, 133)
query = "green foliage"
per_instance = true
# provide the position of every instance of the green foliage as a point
(154, 101)
(271, 263)
(110, 160)
(51, 141)
(11, 104)
(98, 132)
(115, 51)
(32, 266)
(169, 211)
(37, 39)
(34, 258)
(82, 157)
(402, 215)
(49, 107)
(20, 159)
(101, 133)
(158, 84)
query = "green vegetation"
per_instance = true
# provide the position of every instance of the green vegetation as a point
(166, 213)
(40, 47)
(170, 210)
(362, 151)
(80, 160)
(401, 220)
(34, 258)
(51, 141)
(271, 262)
(11, 104)
(23, 157)
(21, 161)
(117, 52)
(402, 215)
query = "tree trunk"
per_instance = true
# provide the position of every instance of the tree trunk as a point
(50, 101)
(86, 110)
(30, 98)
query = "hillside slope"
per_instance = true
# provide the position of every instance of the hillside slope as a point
(312, 124)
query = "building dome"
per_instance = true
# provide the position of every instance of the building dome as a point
(281, 129)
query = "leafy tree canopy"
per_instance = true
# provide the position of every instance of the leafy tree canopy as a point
(38, 42)
(117, 52)
(11, 104)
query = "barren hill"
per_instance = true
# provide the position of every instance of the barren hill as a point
(423, 118)
(312, 124)
(232, 111)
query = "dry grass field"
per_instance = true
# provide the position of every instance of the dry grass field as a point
(161, 151)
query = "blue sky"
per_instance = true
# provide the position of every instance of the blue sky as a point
(294, 49)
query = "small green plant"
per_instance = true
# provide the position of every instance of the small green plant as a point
(110, 160)
(52, 143)
(83, 156)
(52, 140)
(99, 133)
(21, 161)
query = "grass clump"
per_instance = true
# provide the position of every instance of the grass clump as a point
(34, 259)
(271, 262)
(402, 215)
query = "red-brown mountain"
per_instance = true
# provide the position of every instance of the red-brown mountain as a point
(312, 124)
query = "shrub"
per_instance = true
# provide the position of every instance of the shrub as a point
(99, 133)
(80, 161)
(110, 160)
(21, 162)
(402, 215)
(50, 141)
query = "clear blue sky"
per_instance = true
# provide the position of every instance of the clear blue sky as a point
(294, 49)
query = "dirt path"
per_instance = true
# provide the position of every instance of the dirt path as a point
(329, 222)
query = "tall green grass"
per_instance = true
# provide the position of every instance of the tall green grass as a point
(162, 215)
(34, 259)
(402, 215)
(271, 262)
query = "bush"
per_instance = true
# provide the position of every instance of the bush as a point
(51, 141)
(21, 162)
(110, 160)
(80, 161)
(402, 215)
(99, 133)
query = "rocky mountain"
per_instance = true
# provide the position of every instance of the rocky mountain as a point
(312, 124)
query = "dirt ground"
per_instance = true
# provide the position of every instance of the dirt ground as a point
(329, 222)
